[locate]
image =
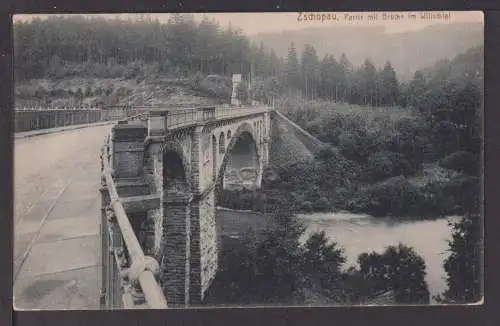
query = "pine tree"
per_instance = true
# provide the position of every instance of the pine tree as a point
(330, 84)
(322, 262)
(260, 62)
(463, 266)
(345, 74)
(291, 70)
(368, 83)
(206, 45)
(416, 89)
(388, 86)
(310, 72)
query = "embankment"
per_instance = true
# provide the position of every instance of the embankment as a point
(289, 142)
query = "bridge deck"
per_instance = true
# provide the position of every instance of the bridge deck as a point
(56, 220)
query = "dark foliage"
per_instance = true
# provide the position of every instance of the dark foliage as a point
(399, 269)
(463, 266)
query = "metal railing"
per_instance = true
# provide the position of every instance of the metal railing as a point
(178, 118)
(129, 277)
(37, 119)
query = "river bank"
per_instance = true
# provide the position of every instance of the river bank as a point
(361, 233)
(358, 233)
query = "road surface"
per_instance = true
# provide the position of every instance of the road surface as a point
(56, 219)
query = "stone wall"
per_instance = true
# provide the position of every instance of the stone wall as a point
(175, 264)
(208, 241)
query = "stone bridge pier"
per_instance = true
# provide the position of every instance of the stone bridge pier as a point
(168, 177)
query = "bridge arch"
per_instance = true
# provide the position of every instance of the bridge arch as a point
(222, 143)
(244, 139)
(174, 175)
(175, 166)
(177, 191)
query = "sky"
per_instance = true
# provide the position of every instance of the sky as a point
(255, 23)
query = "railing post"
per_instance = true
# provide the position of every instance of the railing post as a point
(56, 118)
(117, 262)
(127, 157)
(158, 122)
(105, 201)
(111, 265)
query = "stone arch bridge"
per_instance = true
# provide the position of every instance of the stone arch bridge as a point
(162, 172)
(167, 169)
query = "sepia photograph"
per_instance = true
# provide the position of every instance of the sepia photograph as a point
(218, 160)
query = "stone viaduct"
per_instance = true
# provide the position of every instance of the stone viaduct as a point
(166, 168)
(167, 171)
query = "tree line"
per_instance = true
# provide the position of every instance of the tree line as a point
(178, 48)
(60, 46)
(96, 47)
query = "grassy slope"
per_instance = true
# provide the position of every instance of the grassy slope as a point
(120, 91)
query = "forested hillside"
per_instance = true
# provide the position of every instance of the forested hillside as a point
(467, 66)
(408, 51)
(417, 156)
(81, 61)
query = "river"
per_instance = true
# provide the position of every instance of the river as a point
(362, 233)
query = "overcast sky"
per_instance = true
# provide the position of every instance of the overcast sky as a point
(253, 23)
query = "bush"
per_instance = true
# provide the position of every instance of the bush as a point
(384, 164)
(394, 197)
(399, 269)
(196, 80)
(322, 263)
(461, 161)
(88, 91)
(463, 265)
(217, 86)
(306, 206)
(322, 204)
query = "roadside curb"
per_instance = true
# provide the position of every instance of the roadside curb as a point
(29, 134)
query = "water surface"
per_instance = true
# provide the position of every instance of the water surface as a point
(362, 233)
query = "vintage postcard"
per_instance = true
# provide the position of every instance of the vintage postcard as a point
(213, 160)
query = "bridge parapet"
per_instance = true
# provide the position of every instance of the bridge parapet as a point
(160, 121)
(129, 277)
